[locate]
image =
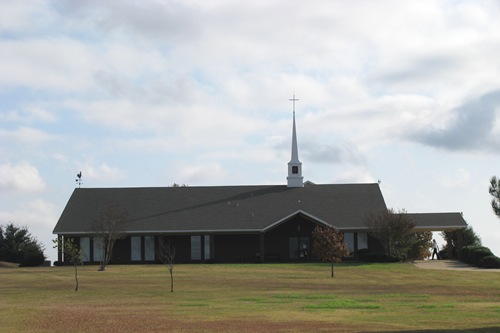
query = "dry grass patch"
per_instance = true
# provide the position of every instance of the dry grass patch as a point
(248, 298)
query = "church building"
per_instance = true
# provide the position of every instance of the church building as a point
(228, 224)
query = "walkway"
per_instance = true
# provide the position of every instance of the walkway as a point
(451, 265)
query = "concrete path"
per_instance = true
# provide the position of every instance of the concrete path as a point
(451, 265)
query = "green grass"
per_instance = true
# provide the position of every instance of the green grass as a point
(249, 298)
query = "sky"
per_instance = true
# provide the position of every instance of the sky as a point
(151, 93)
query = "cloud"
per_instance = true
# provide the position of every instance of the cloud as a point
(355, 175)
(171, 20)
(52, 64)
(460, 180)
(31, 114)
(471, 127)
(37, 214)
(15, 16)
(26, 135)
(101, 173)
(198, 174)
(20, 177)
(344, 152)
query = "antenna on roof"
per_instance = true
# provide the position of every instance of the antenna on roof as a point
(78, 179)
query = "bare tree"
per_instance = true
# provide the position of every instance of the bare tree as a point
(71, 252)
(166, 254)
(107, 228)
(329, 245)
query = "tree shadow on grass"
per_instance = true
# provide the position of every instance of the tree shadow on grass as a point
(469, 330)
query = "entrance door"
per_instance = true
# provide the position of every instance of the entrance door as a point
(298, 248)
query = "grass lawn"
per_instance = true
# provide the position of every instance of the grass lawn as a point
(249, 298)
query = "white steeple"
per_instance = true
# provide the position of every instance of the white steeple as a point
(294, 178)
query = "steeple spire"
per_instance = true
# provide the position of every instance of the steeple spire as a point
(294, 178)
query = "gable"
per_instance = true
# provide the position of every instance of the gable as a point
(294, 214)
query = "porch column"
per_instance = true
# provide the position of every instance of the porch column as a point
(449, 245)
(460, 242)
(60, 245)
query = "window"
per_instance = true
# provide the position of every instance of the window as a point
(98, 250)
(195, 247)
(85, 248)
(362, 240)
(135, 248)
(149, 248)
(295, 169)
(349, 240)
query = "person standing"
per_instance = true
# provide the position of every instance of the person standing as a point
(435, 249)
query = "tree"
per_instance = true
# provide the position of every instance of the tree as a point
(469, 238)
(328, 245)
(107, 228)
(19, 246)
(394, 231)
(420, 245)
(166, 254)
(33, 255)
(495, 192)
(71, 252)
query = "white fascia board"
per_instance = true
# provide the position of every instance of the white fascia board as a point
(440, 228)
(133, 232)
(272, 225)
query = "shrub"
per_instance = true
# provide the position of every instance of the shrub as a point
(479, 254)
(473, 254)
(57, 263)
(467, 252)
(443, 254)
(490, 262)
(376, 257)
(362, 253)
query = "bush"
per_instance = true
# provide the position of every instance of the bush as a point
(479, 254)
(443, 254)
(368, 256)
(490, 262)
(58, 263)
(466, 254)
(473, 254)
(362, 252)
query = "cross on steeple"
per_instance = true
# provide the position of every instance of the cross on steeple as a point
(293, 99)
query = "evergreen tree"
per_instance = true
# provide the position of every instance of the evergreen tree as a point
(17, 245)
(495, 192)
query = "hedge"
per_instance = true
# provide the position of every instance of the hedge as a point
(367, 255)
(474, 254)
(490, 262)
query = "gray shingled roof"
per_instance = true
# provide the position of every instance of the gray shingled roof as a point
(222, 208)
(438, 221)
(235, 208)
